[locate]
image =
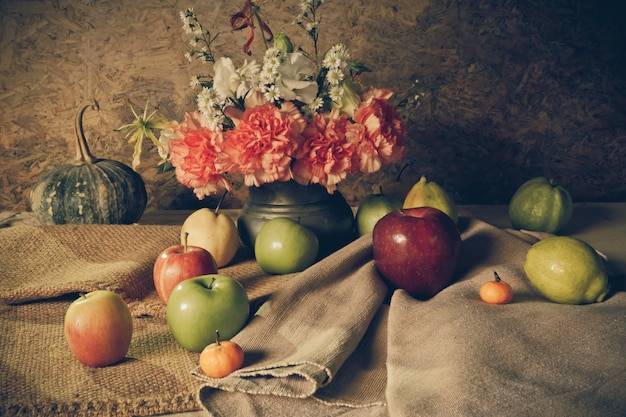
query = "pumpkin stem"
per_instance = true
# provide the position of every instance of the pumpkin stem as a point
(219, 203)
(496, 276)
(83, 156)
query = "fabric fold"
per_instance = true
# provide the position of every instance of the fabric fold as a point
(302, 335)
(457, 355)
(450, 355)
(42, 262)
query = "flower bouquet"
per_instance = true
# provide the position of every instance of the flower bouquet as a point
(295, 115)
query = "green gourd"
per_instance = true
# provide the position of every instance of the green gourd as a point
(540, 205)
(88, 190)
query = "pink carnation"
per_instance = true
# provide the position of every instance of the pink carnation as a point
(325, 156)
(196, 152)
(263, 143)
(382, 139)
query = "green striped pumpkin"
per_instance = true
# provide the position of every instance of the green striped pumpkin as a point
(89, 190)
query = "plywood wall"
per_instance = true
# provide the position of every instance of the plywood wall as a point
(512, 89)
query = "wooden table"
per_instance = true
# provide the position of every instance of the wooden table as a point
(602, 225)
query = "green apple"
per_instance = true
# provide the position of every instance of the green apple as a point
(200, 306)
(373, 208)
(567, 270)
(283, 246)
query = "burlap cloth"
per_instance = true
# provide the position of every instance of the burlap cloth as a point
(42, 268)
(328, 341)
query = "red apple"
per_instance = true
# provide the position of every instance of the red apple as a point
(98, 328)
(178, 263)
(417, 250)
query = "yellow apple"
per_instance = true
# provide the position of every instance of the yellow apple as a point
(213, 231)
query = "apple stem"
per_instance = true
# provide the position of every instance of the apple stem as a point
(380, 189)
(219, 203)
(217, 337)
(185, 242)
(211, 283)
(496, 276)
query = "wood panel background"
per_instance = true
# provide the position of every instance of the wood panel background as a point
(512, 88)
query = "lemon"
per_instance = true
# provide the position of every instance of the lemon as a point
(567, 270)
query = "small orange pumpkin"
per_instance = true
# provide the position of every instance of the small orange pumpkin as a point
(221, 358)
(496, 291)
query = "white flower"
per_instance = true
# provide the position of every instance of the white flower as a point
(336, 93)
(230, 82)
(164, 139)
(187, 17)
(334, 76)
(272, 52)
(195, 82)
(305, 5)
(272, 59)
(211, 108)
(249, 74)
(249, 70)
(271, 93)
(309, 27)
(267, 76)
(208, 98)
(308, 5)
(296, 79)
(226, 79)
(215, 120)
(330, 61)
(312, 108)
(336, 57)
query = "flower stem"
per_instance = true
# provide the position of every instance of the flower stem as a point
(258, 20)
